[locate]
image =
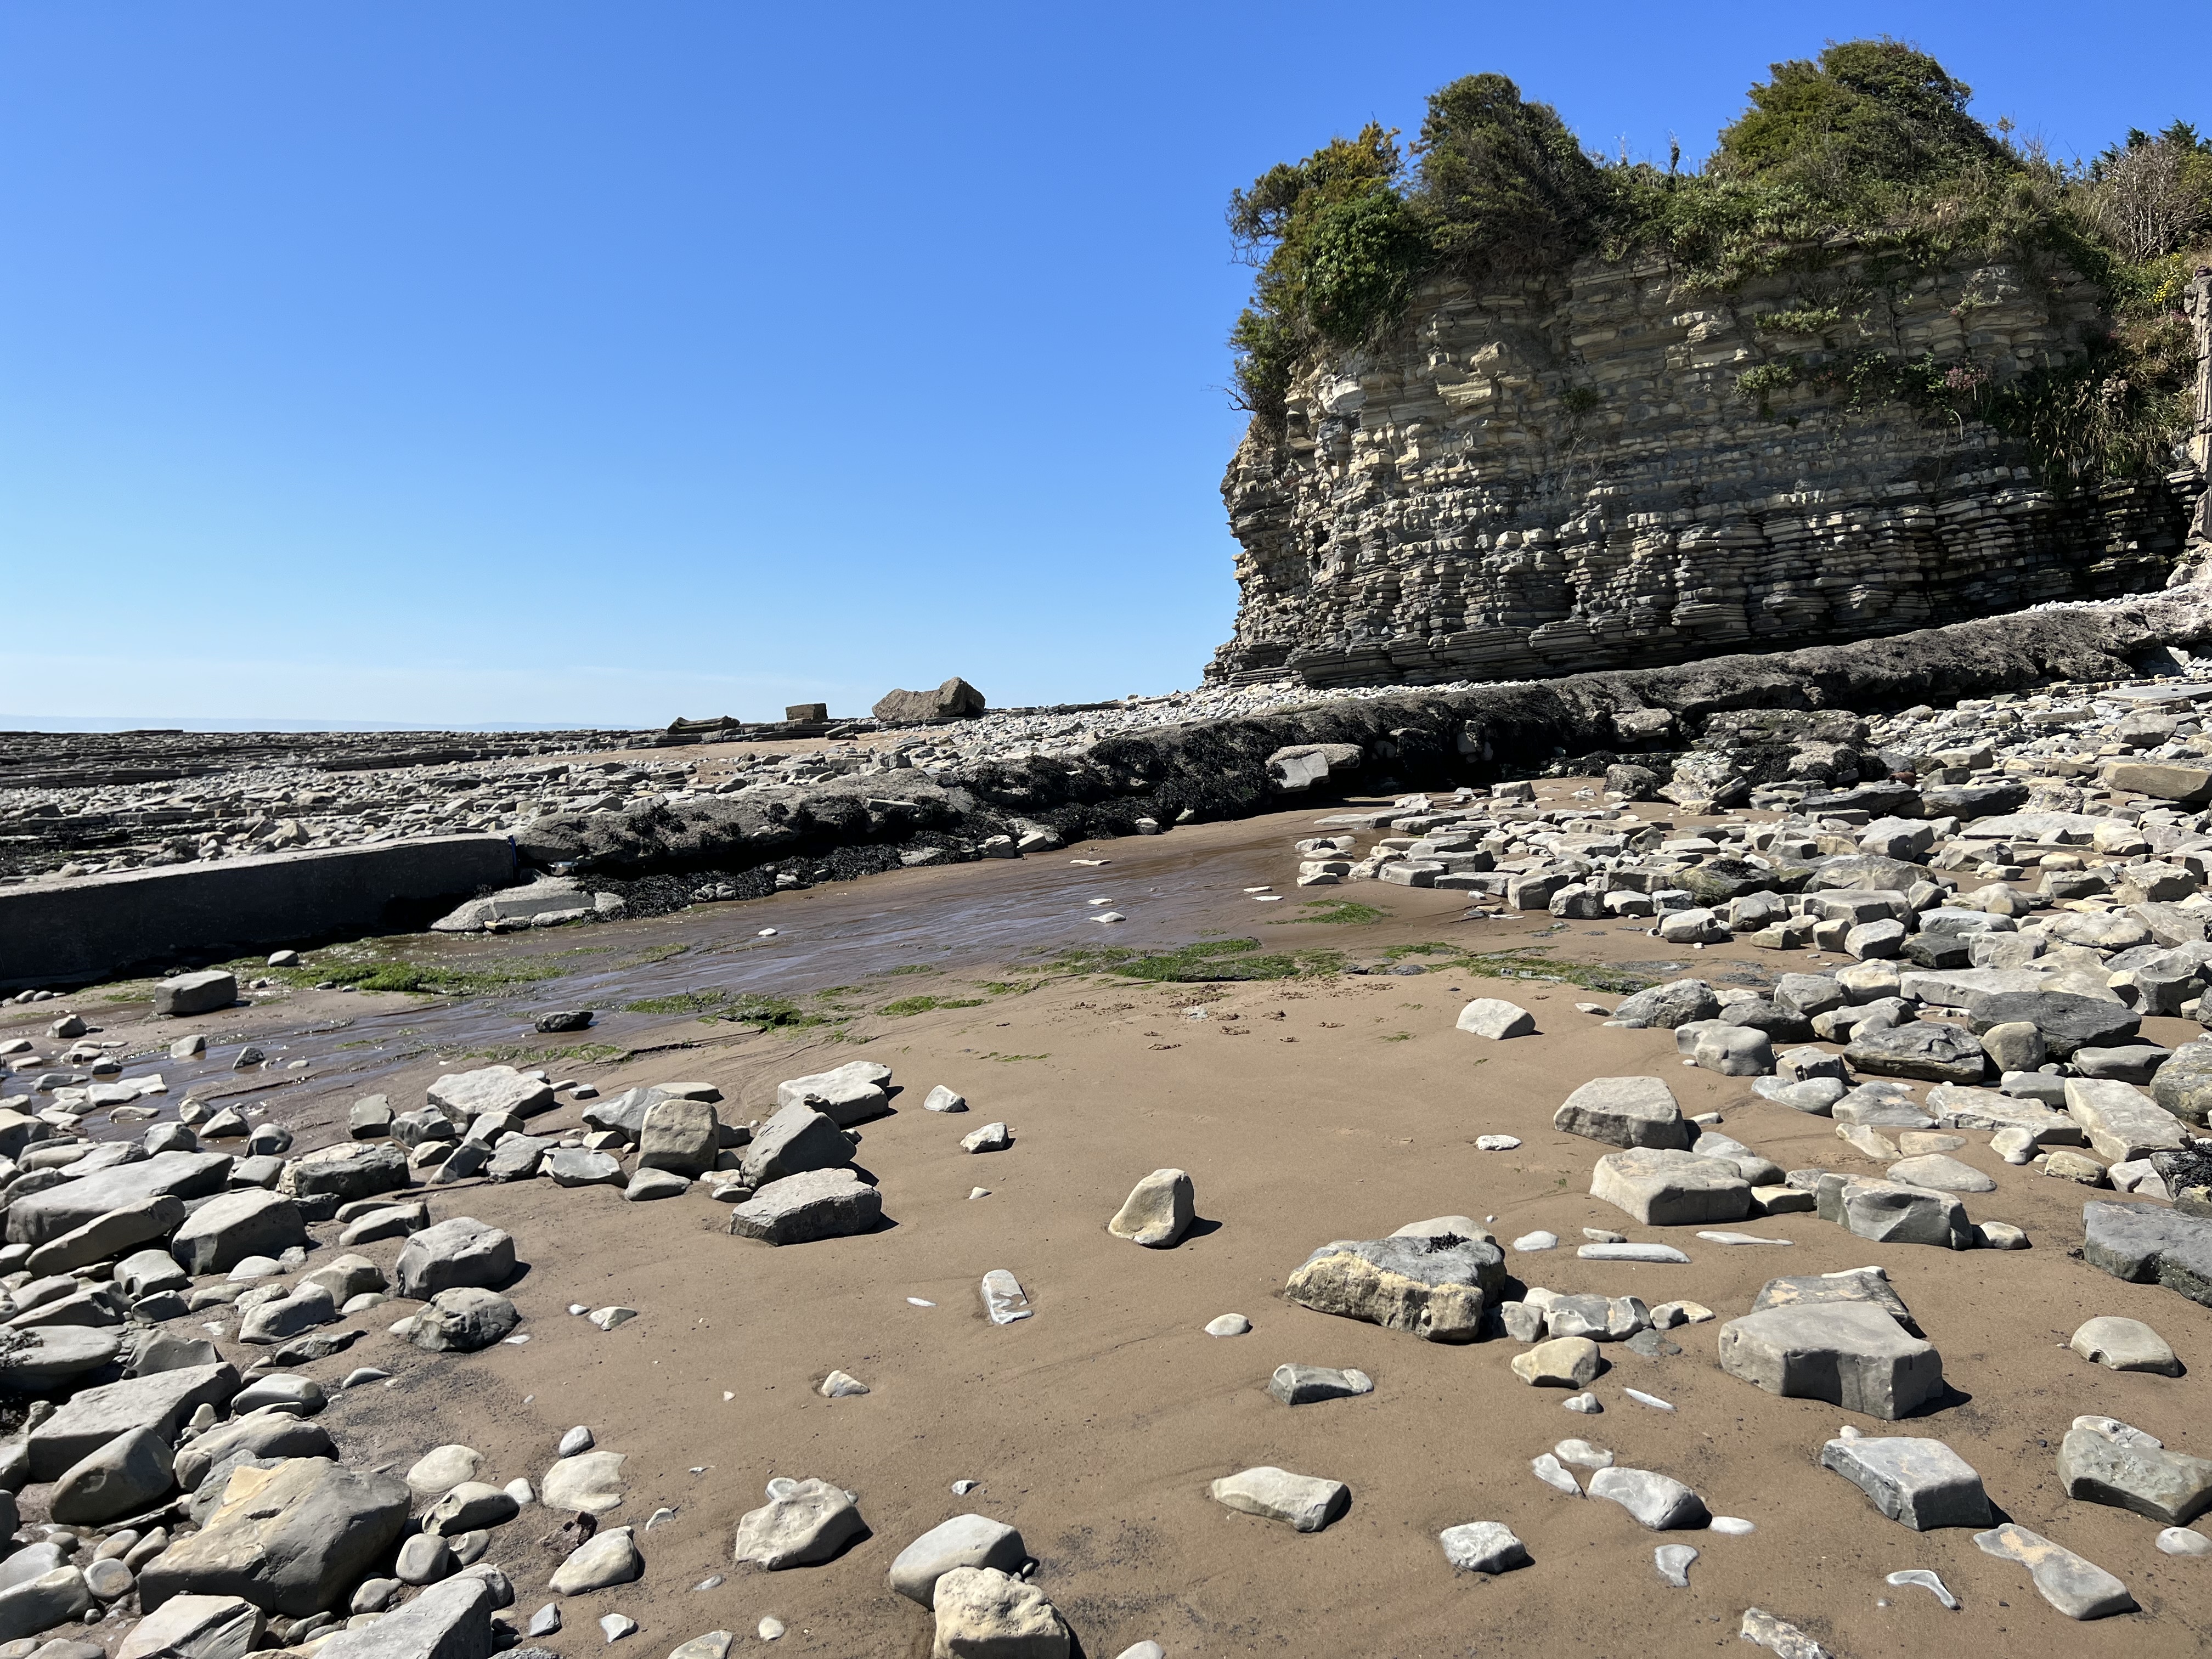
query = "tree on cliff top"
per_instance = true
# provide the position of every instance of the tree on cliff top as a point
(1504, 187)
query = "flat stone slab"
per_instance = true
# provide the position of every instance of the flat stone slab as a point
(1658, 1501)
(802, 1208)
(1918, 1049)
(2067, 1021)
(1957, 1107)
(1868, 1286)
(1917, 1482)
(1625, 1111)
(1663, 1254)
(1436, 1287)
(2147, 1244)
(1893, 1212)
(1939, 1172)
(1668, 1187)
(1846, 1353)
(2120, 1122)
(1303, 1385)
(2077, 1588)
(2104, 1461)
(2124, 1345)
(36, 1217)
(1305, 1503)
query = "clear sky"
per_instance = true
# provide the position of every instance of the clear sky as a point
(547, 363)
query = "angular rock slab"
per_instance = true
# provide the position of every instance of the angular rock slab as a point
(1004, 1300)
(965, 1540)
(123, 1477)
(2077, 1588)
(1939, 1054)
(293, 1540)
(2124, 1345)
(1158, 1212)
(1436, 1287)
(1846, 1353)
(56, 1597)
(2104, 1461)
(2147, 1244)
(1625, 1111)
(1657, 1501)
(1917, 1482)
(1778, 1636)
(1564, 1362)
(803, 1523)
(449, 1620)
(1483, 1546)
(196, 1627)
(2120, 1121)
(461, 1251)
(1868, 1286)
(1303, 1385)
(1892, 1213)
(801, 1209)
(162, 1401)
(1305, 1503)
(1669, 1188)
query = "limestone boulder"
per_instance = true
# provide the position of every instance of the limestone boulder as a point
(1625, 1111)
(1665, 1188)
(1917, 1482)
(293, 1540)
(1158, 1212)
(1848, 1354)
(984, 1613)
(1435, 1287)
(455, 1253)
(803, 1524)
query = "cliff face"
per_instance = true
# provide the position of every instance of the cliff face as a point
(1526, 484)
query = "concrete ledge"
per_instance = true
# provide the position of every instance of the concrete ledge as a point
(52, 933)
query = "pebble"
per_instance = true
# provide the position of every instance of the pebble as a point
(1650, 1400)
(1582, 1454)
(917, 1302)
(607, 1318)
(840, 1385)
(962, 1488)
(1743, 1238)
(770, 1628)
(578, 1439)
(1004, 1300)
(1549, 1470)
(1496, 1143)
(2180, 1541)
(1539, 1240)
(1662, 1253)
(615, 1625)
(1673, 1561)
(1227, 1325)
(1587, 1404)
(1733, 1526)
(979, 1192)
(546, 1621)
(712, 1580)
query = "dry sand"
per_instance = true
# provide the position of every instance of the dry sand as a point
(1306, 1111)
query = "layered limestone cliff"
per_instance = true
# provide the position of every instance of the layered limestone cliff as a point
(1527, 483)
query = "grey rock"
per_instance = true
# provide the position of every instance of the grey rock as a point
(31, 1361)
(1304, 1502)
(848, 1094)
(1941, 1173)
(611, 1557)
(195, 1627)
(1940, 1054)
(1778, 1636)
(1435, 1287)
(2104, 1461)
(464, 1321)
(295, 1545)
(803, 1522)
(1667, 1188)
(267, 1434)
(965, 1540)
(35, 1217)
(680, 1136)
(2120, 1122)
(983, 1613)
(798, 1140)
(591, 1483)
(1302, 1385)
(346, 1173)
(1865, 1286)
(1625, 1111)
(2077, 1588)
(123, 1477)
(1496, 1019)
(1657, 1501)
(517, 1157)
(1892, 1213)
(1487, 1546)
(2124, 1345)
(201, 992)
(822, 1203)
(272, 1322)
(423, 1559)
(1158, 1212)
(449, 1620)
(647, 1185)
(467, 1095)
(58, 1597)
(2066, 1022)
(1846, 1353)
(2146, 1244)
(97, 1415)
(1920, 1484)
(468, 1506)
(1666, 1006)
(577, 1166)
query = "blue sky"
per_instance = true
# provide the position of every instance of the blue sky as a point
(556, 363)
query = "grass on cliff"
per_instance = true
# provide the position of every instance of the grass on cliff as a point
(1852, 174)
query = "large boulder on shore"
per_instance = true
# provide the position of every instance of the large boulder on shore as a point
(1436, 1287)
(954, 699)
(293, 1540)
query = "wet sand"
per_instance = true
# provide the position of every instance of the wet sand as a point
(1306, 1111)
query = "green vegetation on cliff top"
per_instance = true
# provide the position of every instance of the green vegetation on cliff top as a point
(1855, 170)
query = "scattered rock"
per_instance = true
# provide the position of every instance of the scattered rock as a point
(1305, 1503)
(1158, 1212)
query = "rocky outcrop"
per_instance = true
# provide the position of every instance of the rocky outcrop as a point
(1623, 472)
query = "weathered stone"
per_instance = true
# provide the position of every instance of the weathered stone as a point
(195, 1627)
(2120, 1122)
(1158, 1212)
(2104, 1461)
(95, 1416)
(1305, 1503)
(580, 1166)
(1666, 1006)
(1891, 1213)
(2077, 1588)
(291, 1540)
(1487, 1546)
(449, 1620)
(271, 1434)
(123, 1477)
(108, 1235)
(201, 992)
(1940, 1054)
(468, 1506)
(681, 1136)
(1920, 1484)
(1625, 1111)
(461, 1251)
(984, 1613)
(2067, 1022)
(1564, 1362)
(1434, 1287)
(307, 1306)
(1304, 1385)
(464, 1320)
(848, 1094)
(1496, 1019)
(1657, 1501)
(589, 1482)
(1848, 1354)
(803, 1522)
(2146, 1244)
(1865, 1286)
(1664, 1187)
(965, 1540)
(610, 1558)
(1720, 1046)
(36, 1218)
(801, 1208)
(58, 1597)
(462, 1095)
(1940, 1173)
(31, 1361)
(1778, 1636)
(347, 1173)
(2124, 1345)
(796, 1141)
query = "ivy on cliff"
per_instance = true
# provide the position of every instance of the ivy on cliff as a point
(1867, 151)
